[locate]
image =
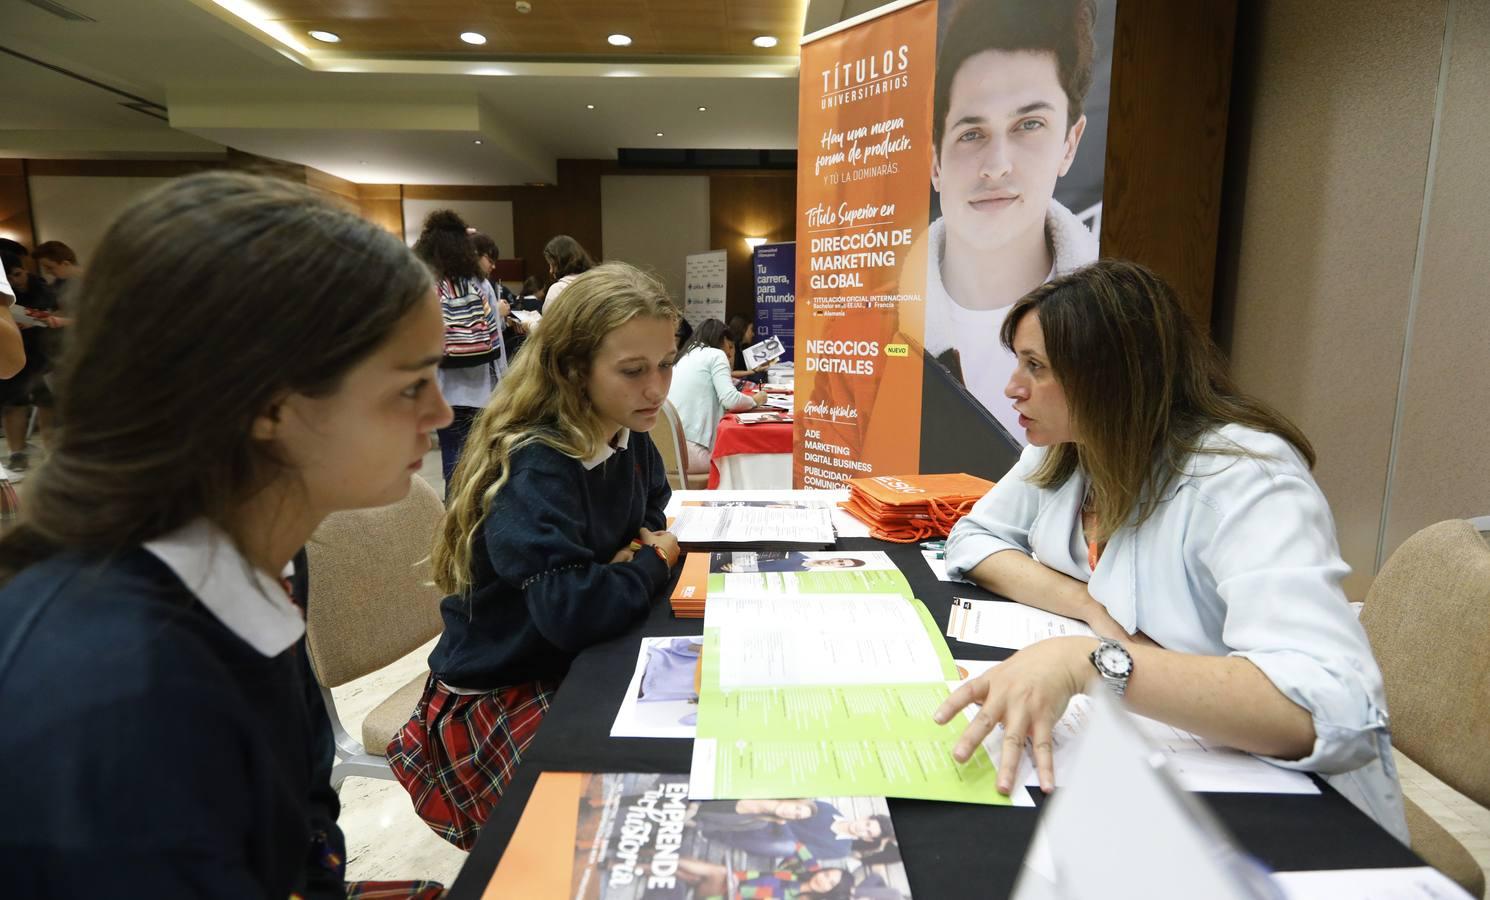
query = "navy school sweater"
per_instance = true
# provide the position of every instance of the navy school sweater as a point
(543, 587)
(149, 750)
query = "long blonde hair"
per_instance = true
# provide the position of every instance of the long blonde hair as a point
(542, 399)
(1144, 384)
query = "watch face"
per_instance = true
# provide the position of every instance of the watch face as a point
(1114, 660)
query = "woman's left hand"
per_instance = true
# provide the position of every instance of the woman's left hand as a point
(1026, 693)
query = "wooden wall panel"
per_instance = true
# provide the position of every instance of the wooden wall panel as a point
(570, 207)
(15, 203)
(742, 206)
(1166, 140)
(382, 204)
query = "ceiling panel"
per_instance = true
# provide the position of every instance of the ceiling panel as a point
(569, 28)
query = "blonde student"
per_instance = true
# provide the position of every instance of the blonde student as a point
(1178, 518)
(165, 736)
(554, 540)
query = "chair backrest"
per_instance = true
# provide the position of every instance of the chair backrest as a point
(372, 600)
(667, 434)
(1428, 617)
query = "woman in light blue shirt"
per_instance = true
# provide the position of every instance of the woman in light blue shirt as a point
(1178, 518)
(703, 390)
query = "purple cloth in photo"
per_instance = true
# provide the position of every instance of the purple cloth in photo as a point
(669, 671)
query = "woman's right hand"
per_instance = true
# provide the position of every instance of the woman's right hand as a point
(663, 540)
(760, 399)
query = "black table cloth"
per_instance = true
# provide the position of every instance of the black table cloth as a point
(951, 850)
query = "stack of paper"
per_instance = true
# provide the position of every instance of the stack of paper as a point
(764, 574)
(757, 418)
(1003, 623)
(830, 694)
(769, 526)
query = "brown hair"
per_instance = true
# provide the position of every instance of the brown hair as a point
(210, 298)
(541, 399)
(54, 251)
(566, 255)
(1061, 27)
(1144, 385)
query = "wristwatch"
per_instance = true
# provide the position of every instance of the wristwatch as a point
(1114, 663)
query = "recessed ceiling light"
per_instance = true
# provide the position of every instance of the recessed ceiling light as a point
(659, 134)
(324, 37)
(477, 141)
(764, 40)
(703, 109)
(619, 40)
(589, 106)
(473, 37)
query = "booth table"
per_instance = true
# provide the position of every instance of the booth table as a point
(751, 457)
(951, 850)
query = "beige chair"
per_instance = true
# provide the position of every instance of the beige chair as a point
(667, 434)
(372, 603)
(1428, 617)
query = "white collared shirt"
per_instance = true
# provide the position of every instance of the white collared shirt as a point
(251, 604)
(619, 442)
(1238, 559)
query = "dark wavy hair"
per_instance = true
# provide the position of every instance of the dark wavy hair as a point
(1062, 27)
(709, 333)
(445, 246)
(211, 297)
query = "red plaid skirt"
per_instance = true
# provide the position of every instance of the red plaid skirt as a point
(394, 890)
(459, 752)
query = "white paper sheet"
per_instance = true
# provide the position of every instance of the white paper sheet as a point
(767, 350)
(845, 524)
(1411, 883)
(781, 642)
(813, 612)
(715, 525)
(939, 568)
(1000, 623)
(1199, 766)
(640, 717)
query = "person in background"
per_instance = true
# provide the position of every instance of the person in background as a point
(1177, 517)
(167, 736)
(57, 262)
(12, 360)
(567, 260)
(27, 389)
(742, 333)
(532, 295)
(684, 333)
(471, 312)
(554, 541)
(702, 390)
(513, 330)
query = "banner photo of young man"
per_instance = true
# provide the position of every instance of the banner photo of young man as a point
(900, 303)
(1019, 127)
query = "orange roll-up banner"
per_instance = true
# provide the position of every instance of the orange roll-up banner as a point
(864, 131)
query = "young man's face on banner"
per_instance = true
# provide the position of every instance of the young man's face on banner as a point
(1004, 144)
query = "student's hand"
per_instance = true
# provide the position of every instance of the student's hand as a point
(624, 555)
(504, 309)
(760, 398)
(762, 367)
(1027, 693)
(663, 540)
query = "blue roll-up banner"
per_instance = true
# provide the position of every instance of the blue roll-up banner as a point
(775, 268)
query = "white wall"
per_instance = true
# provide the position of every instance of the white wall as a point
(654, 222)
(494, 217)
(77, 209)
